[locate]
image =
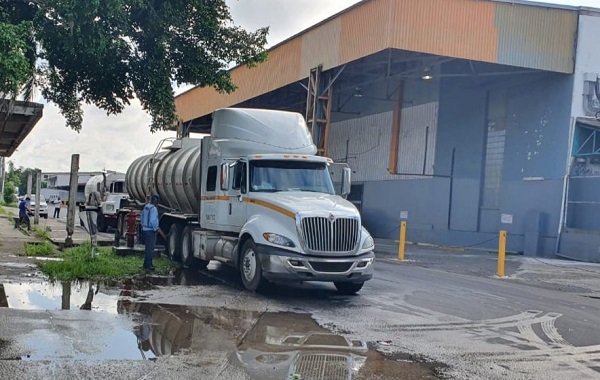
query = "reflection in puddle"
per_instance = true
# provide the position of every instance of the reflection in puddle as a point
(265, 345)
(45, 295)
(99, 296)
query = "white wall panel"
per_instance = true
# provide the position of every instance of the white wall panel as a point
(364, 143)
(418, 132)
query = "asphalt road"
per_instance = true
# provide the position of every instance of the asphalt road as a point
(447, 311)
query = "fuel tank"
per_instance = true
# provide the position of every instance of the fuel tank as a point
(174, 174)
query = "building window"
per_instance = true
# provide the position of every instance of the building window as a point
(494, 149)
(586, 141)
(586, 149)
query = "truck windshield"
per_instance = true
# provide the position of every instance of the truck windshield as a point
(286, 175)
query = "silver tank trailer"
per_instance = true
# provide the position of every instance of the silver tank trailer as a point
(176, 176)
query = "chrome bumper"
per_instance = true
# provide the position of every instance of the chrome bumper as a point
(279, 264)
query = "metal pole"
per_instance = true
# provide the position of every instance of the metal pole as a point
(402, 240)
(501, 253)
(38, 185)
(3, 175)
(72, 207)
(451, 187)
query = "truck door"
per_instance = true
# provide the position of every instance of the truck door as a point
(236, 193)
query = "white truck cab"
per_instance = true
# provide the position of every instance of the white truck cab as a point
(265, 186)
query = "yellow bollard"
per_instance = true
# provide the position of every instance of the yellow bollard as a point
(402, 240)
(501, 253)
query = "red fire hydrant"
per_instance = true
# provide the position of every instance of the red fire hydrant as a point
(131, 224)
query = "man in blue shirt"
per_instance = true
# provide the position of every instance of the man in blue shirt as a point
(149, 229)
(23, 217)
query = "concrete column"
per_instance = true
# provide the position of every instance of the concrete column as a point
(38, 185)
(29, 179)
(71, 210)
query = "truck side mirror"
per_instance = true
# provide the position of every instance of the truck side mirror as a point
(346, 175)
(225, 177)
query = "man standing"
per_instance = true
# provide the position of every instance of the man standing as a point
(149, 229)
(23, 210)
(57, 205)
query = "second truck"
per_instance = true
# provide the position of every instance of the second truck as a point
(254, 195)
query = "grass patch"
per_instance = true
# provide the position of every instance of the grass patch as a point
(2, 210)
(77, 264)
(44, 249)
(40, 233)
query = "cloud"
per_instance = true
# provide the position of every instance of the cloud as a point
(105, 142)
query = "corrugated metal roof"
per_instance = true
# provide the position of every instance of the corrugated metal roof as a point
(536, 37)
(450, 28)
(515, 34)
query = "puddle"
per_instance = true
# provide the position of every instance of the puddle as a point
(264, 345)
(45, 295)
(99, 296)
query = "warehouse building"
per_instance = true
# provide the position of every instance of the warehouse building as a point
(463, 117)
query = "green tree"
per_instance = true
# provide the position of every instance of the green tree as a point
(18, 177)
(105, 52)
(9, 193)
(24, 173)
(13, 174)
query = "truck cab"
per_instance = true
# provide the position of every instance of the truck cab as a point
(279, 205)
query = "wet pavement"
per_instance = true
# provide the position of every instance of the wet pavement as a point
(91, 322)
(438, 306)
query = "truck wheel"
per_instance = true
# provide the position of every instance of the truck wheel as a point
(250, 268)
(187, 251)
(174, 242)
(348, 288)
(101, 223)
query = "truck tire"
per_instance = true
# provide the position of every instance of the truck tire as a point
(173, 243)
(101, 222)
(250, 268)
(187, 251)
(348, 288)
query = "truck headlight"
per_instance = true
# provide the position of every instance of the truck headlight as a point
(278, 239)
(368, 243)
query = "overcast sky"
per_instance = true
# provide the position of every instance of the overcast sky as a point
(113, 142)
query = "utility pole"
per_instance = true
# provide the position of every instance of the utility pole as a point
(29, 179)
(38, 185)
(72, 207)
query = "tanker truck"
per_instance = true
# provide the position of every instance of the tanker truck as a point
(254, 195)
(106, 191)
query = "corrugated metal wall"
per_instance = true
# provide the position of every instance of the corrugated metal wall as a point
(452, 28)
(536, 37)
(364, 143)
(512, 34)
(418, 131)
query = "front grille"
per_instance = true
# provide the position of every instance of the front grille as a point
(324, 235)
(330, 267)
(323, 367)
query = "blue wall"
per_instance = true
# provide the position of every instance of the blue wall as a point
(536, 148)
